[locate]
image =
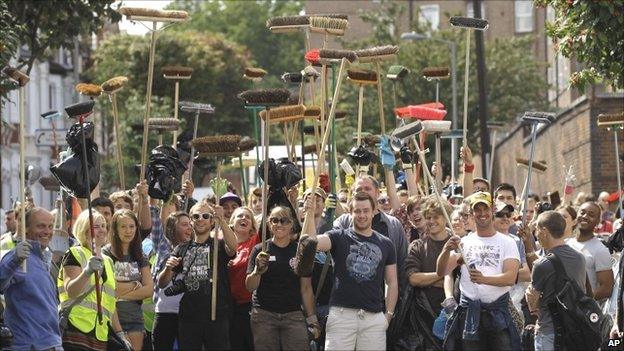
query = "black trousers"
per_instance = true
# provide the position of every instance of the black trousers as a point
(206, 335)
(165, 331)
(240, 328)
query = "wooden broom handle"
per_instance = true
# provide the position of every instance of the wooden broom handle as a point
(148, 102)
(120, 164)
(215, 254)
(382, 117)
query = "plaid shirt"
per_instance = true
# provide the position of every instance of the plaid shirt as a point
(161, 246)
(401, 215)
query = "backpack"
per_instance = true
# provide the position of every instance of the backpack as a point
(577, 318)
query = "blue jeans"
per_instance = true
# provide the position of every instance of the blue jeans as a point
(544, 342)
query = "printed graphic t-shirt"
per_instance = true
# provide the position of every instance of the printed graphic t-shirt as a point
(359, 265)
(488, 255)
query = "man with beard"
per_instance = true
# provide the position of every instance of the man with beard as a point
(597, 257)
(482, 320)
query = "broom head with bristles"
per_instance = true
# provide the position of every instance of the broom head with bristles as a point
(88, 89)
(163, 124)
(114, 84)
(310, 72)
(194, 107)
(340, 115)
(358, 76)
(609, 120)
(292, 77)
(312, 112)
(469, 22)
(287, 24)
(377, 53)
(247, 144)
(538, 166)
(310, 149)
(54, 114)
(420, 112)
(265, 97)
(436, 72)
(80, 109)
(217, 145)
(177, 72)
(18, 76)
(328, 25)
(153, 15)
(288, 113)
(254, 73)
(328, 56)
(433, 126)
(539, 117)
(397, 72)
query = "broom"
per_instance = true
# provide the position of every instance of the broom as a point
(328, 25)
(88, 89)
(162, 125)
(614, 122)
(361, 78)
(437, 128)
(21, 79)
(395, 74)
(469, 24)
(435, 74)
(154, 16)
(111, 87)
(255, 75)
(51, 116)
(176, 73)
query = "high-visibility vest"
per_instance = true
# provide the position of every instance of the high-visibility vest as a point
(83, 315)
(6, 244)
(148, 306)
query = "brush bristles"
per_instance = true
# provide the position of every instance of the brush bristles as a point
(371, 140)
(330, 15)
(247, 144)
(20, 77)
(88, 89)
(397, 72)
(310, 72)
(254, 72)
(309, 149)
(193, 107)
(408, 130)
(153, 13)
(114, 84)
(469, 22)
(340, 114)
(292, 77)
(431, 126)
(163, 124)
(377, 51)
(51, 115)
(177, 71)
(436, 72)
(328, 23)
(312, 112)
(538, 166)
(284, 113)
(362, 75)
(333, 54)
(539, 117)
(80, 109)
(265, 96)
(293, 99)
(216, 144)
(610, 119)
(287, 21)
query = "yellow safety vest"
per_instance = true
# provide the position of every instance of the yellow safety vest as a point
(6, 244)
(148, 306)
(83, 315)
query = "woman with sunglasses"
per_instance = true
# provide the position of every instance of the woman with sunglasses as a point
(277, 320)
(244, 226)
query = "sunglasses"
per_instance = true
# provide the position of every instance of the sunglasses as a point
(502, 215)
(382, 201)
(197, 216)
(282, 220)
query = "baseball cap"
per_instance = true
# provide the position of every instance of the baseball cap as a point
(480, 197)
(229, 196)
(319, 191)
(501, 206)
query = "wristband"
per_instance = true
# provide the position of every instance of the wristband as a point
(390, 313)
(468, 168)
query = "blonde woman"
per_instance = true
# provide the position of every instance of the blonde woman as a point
(76, 283)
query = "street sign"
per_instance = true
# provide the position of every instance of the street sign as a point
(45, 137)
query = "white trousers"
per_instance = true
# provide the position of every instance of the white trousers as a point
(351, 329)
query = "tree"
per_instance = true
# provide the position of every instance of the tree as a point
(9, 41)
(591, 33)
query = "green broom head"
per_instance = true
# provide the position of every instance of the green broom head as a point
(333, 55)
(217, 145)
(310, 72)
(163, 124)
(610, 120)
(469, 22)
(80, 109)
(16, 75)
(153, 15)
(436, 73)
(284, 21)
(539, 166)
(88, 89)
(377, 53)
(309, 149)
(397, 72)
(265, 96)
(287, 113)
(177, 72)
(330, 23)
(359, 76)
(114, 84)
(254, 73)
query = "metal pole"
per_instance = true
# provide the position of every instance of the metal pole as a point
(148, 102)
(453, 46)
(617, 167)
(527, 184)
(22, 142)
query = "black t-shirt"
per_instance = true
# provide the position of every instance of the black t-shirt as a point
(359, 266)
(196, 272)
(279, 290)
(380, 226)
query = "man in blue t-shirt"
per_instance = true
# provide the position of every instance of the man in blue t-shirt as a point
(359, 313)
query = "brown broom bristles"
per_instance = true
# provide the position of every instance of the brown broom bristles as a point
(334, 54)
(436, 72)
(247, 144)
(610, 119)
(377, 51)
(312, 112)
(328, 23)
(88, 89)
(340, 115)
(309, 149)
(254, 72)
(284, 113)
(369, 140)
(20, 77)
(265, 96)
(114, 84)
(49, 183)
(362, 76)
(146, 12)
(537, 165)
(177, 71)
(217, 144)
(163, 124)
(310, 71)
(287, 21)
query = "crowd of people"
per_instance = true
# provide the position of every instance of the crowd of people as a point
(394, 267)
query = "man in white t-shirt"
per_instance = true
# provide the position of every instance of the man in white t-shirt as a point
(489, 267)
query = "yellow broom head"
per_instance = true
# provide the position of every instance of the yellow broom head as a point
(163, 124)
(114, 84)
(254, 73)
(609, 120)
(309, 149)
(177, 72)
(288, 113)
(329, 25)
(21, 78)
(88, 89)
(215, 145)
(377, 53)
(538, 166)
(436, 72)
(153, 15)
(358, 76)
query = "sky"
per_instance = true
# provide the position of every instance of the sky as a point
(138, 28)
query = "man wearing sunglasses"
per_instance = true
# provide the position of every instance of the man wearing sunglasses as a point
(193, 262)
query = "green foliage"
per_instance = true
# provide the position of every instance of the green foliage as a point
(9, 41)
(591, 32)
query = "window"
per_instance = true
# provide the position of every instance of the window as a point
(430, 15)
(470, 9)
(523, 12)
(52, 96)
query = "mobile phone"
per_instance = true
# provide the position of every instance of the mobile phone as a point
(554, 198)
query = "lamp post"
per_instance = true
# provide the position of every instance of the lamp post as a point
(453, 47)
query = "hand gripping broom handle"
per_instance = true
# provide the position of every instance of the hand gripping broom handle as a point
(85, 171)
(215, 255)
(22, 141)
(466, 77)
(321, 156)
(120, 165)
(192, 159)
(148, 102)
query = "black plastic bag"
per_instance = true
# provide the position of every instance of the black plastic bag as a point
(361, 156)
(282, 174)
(164, 172)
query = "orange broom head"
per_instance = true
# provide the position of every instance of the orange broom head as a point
(310, 149)
(265, 96)
(88, 89)
(163, 124)
(254, 73)
(288, 113)
(114, 84)
(377, 53)
(362, 76)
(436, 72)
(539, 166)
(215, 145)
(432, 126)
(420, 112)
(153, 15)
(177, 72)
(608, 120)
(313, 56)
(21, 78)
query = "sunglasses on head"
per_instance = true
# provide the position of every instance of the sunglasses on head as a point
(282, 220)
(502, 215)
(197, 216)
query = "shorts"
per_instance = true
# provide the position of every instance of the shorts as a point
(130, 316)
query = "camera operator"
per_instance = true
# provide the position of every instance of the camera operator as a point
(191, 263)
